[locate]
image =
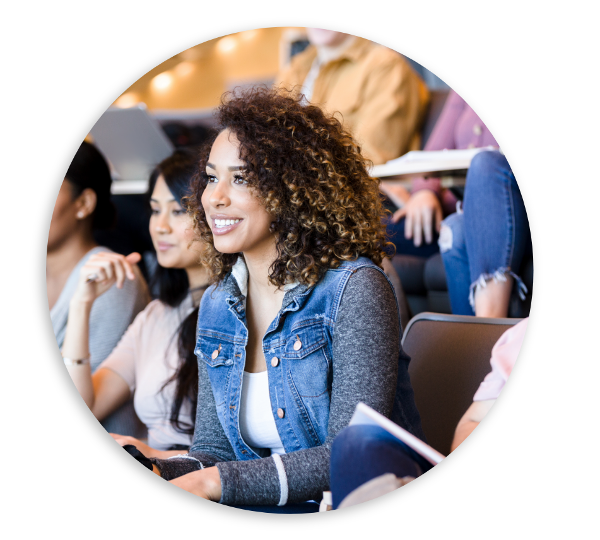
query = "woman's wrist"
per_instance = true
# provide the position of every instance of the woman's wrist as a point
(81, 306)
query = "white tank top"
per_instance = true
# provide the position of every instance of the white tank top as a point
(257, 424)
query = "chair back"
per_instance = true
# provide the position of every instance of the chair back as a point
(450, 356)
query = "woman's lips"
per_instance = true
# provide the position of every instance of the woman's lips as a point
(162, 246)
(224, 229)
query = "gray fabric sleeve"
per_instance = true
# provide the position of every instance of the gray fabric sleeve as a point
(366, 344)
(365, 364)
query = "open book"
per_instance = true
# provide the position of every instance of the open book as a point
(365, 415)
(437, 163)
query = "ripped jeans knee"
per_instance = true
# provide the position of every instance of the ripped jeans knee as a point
(452, 234)
(498, 276)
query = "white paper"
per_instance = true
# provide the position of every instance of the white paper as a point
(365, 415)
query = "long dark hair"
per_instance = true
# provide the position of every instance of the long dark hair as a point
(173, 287)
(89, 170)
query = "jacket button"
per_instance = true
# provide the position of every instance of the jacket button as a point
(215, 354)
(274, 361)
(297, 345)
(280, 413)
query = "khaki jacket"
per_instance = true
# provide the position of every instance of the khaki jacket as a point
(382, 101)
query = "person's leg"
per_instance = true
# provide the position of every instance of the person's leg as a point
(361, 453)
(456, 263)
(496, 233)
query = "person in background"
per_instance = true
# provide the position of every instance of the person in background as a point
(154, 362)
(82, 206)
(418, 220)
(286, 337)
(367, 461)
(484, 246)
(381, 99)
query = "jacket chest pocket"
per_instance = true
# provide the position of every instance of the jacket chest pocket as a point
(219, 356)
(307, 359)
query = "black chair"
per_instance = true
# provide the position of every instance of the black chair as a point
(450, 356)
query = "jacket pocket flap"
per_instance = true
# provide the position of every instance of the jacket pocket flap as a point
(305, 340)
(215, 352)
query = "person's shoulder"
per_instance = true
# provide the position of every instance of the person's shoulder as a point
(382, 55)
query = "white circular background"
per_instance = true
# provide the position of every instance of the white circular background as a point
(528, 68)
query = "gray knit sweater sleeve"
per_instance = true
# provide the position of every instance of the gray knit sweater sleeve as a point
(365, 364)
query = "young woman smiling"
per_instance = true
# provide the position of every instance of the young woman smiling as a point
(154, 362)
(301, 323)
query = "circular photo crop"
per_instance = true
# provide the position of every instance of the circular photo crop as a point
(289, 270)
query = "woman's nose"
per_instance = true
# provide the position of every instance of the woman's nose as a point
(162, 223)
(220, 195)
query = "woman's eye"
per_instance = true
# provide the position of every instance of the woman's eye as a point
(154, 211)
(179, 212)
(211, 179)
(239, 179)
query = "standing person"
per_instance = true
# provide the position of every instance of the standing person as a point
(82, 206)
(301, 323)
(154, 362)
(381, 99)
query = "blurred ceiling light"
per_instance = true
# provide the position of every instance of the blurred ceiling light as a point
(129, 99)
(249, 34)
(162, 81)
(184, 69)
(226, 44)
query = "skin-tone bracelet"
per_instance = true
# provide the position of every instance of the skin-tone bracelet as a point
(76, 361)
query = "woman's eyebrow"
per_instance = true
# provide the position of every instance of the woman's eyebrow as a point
(233, 168)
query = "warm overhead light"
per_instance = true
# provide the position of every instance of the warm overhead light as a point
(249, 34)
(226, 44)
(162, 81)
(126, 100)
(183, 69)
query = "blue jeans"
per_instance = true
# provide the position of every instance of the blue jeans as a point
(490, 238)
(361, 453)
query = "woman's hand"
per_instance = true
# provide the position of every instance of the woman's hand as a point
(107, 269)
(148, 451)
(205, 483)
(397, 194)
(423, 212)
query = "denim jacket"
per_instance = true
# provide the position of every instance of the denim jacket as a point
(298, 352)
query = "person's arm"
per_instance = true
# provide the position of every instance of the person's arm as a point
(470, 420)
(366, 345)
(423, 209)
(106, 390)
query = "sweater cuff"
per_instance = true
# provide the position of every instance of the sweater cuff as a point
(254, 482)
(176, 466)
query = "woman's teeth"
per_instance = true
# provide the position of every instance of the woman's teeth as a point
(226, 222)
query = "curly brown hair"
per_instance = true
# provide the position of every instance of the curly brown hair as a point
(308, 172)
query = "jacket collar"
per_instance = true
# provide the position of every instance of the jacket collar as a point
(235, 284)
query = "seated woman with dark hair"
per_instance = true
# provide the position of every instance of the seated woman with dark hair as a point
(154, 362)
(301, 323)
(82, 207)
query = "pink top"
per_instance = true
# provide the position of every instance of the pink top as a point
(146, 358)
(504, 356)
(457, 128)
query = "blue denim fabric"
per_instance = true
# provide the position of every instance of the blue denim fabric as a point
(491, 238)
(360, 453)
(300, 380)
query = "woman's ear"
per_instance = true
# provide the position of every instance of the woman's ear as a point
(86, 203)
